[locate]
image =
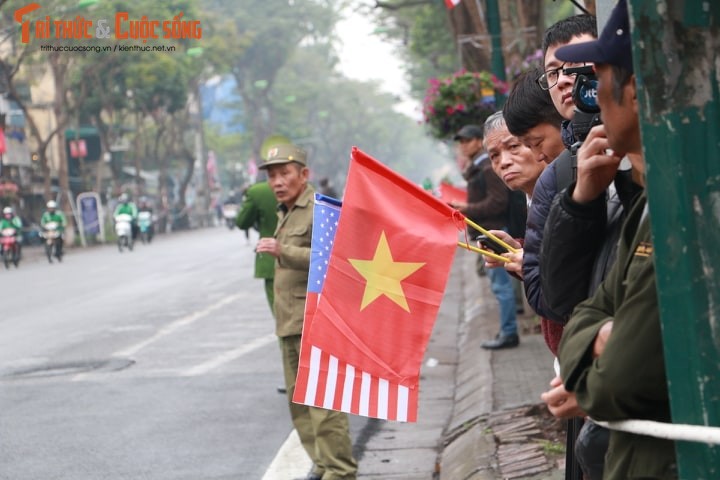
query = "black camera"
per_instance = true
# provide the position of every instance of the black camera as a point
(584, 95)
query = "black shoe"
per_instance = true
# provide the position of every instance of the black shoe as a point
(281, 389)
(507, 341)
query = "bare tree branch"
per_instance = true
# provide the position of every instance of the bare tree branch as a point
(400, 5)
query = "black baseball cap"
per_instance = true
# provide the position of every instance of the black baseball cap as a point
(469, 132)
(612, 48)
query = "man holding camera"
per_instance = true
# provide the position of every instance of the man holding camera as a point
(618, 329)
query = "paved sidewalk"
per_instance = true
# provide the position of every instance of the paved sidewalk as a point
(480, 415)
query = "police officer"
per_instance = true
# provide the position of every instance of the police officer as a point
(259, 210)
(323, 433)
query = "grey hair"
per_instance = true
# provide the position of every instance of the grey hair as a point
(494, 122)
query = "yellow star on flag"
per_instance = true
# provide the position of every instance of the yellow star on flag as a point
(383, 275)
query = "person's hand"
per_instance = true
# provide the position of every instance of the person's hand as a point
(596, 166)
(515, 263)
(458, 205)
(601, 339)
(268, 245)
(560, 402)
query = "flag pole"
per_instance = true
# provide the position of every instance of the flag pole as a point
(487, 253)
(490, 235)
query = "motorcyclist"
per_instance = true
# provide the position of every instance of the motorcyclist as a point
(12, 221)
(125, 206)
(52, 214)
(144, 206)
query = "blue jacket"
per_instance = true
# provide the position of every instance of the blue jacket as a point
(543, 194)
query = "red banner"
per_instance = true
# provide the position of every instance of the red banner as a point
(78, 148)
(450, 193)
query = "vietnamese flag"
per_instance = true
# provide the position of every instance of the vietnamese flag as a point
(386, 277)
(450, 193)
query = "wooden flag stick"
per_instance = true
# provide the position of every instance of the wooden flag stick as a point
(490, 235)
(484, 252)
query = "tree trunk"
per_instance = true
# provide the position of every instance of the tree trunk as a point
(471, 36)
(59, 70)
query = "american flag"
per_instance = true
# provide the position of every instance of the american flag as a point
(324, 380)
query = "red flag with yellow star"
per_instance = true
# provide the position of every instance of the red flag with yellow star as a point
(387, 273)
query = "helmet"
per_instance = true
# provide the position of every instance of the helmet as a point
(51, 205)
(7, 211)
(123, 198)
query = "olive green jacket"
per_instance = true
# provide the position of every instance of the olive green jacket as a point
(294, 232)
(627, 381)
(259, 211)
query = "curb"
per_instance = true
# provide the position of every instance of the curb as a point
(498, 426)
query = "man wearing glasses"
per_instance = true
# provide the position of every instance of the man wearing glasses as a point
(562, 287)
(575, 29)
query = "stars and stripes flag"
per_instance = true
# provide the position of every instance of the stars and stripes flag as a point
(372, 306)
(452, 3)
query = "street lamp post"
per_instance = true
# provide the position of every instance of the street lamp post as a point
(200, 141)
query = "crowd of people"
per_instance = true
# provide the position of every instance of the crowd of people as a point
(586, 259)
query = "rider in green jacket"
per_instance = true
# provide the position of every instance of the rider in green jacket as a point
(129, 208)
(10, 220)
(53, 215)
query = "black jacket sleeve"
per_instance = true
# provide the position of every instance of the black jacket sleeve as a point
(572, 236)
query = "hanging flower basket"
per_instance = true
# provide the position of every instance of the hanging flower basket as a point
(460, 99)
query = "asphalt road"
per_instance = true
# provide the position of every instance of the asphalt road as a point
(156, 364)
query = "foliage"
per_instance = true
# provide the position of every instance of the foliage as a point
(426, 37)
(460, 99)
(517, 67)
(329, 114)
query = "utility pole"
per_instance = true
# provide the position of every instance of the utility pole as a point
(496, 59)
(680, 121)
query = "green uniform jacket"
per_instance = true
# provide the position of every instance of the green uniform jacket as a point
(14, 222)
(57, 216)
(628, 380)
(259, 210)
(127, 208)
(294, 232)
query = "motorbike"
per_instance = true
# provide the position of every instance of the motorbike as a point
(145, 225)
(10, 248)
(230, 211)
(52, 236)
(123, 230)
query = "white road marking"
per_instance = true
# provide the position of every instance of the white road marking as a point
(177, 324)
(229, 356)
(291, 461)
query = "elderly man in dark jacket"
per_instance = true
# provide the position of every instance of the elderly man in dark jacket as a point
(487, 205)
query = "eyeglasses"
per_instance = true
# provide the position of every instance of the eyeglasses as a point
(550, 77)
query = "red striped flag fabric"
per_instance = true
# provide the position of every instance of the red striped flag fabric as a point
(452, 3)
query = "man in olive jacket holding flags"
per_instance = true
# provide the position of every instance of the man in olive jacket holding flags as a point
(323, 433)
